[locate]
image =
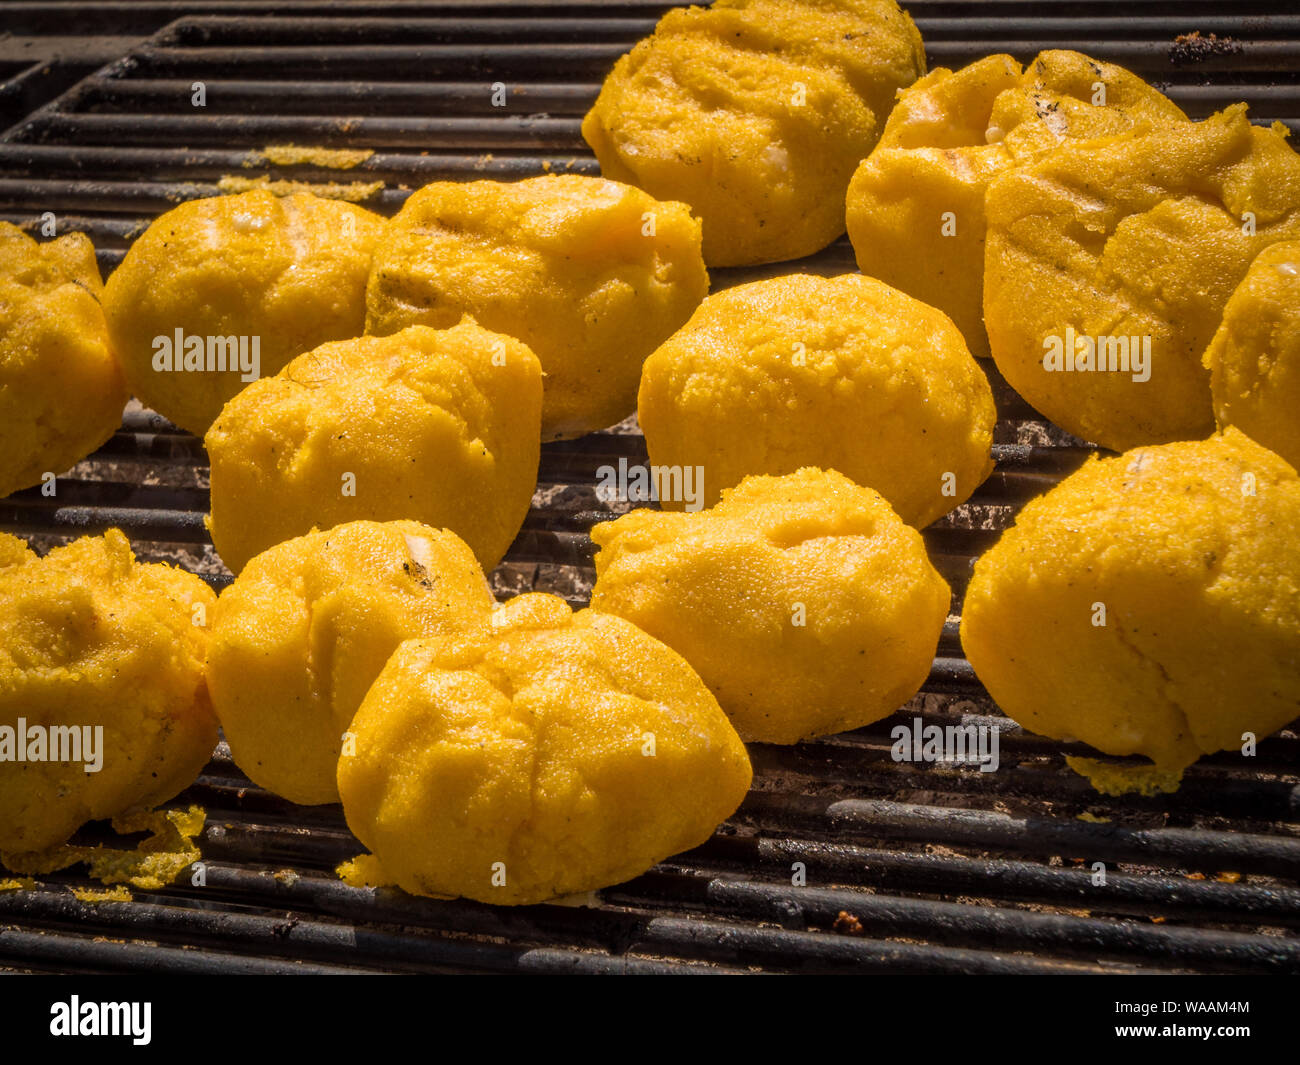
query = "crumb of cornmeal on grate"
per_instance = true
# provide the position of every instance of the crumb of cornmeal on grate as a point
(364, 871)
(17, 883)
(332, 158)
(117, 894)
(154, 863)
(1110, 779)
(352, 192)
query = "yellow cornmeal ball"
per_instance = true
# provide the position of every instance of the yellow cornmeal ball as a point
(547, 754)
(437, 426)
(915, 208)
(101, 666)
(1149, 604)
(1109, 264)
(756, 113)
(804, 602)
(220, 291)
(305, 629)
(841, 373)
(1254, 359)
(61, 390)
(590, 274)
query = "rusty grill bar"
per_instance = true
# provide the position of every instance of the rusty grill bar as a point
(945, 869)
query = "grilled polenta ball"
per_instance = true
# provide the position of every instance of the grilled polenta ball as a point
(1254, 359)
(92, 640)
(546, 754)
(1149, 604)
(219, 291)
(590, 274)
(431, 425)
(915, 209)
(61, 390)
(302, 633)
(804, 602)
(1109, 264)
(840, 373)
(756, 113)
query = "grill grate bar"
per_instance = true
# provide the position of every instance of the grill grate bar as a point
(1200, 848)
(565, 62)
(68, 952)
(41, 159)
(289, 936)
(533, 61)
(203, 130)
(1050, 935)
(856, 765)
(1129, 894)
(335, 98)
(308, 31)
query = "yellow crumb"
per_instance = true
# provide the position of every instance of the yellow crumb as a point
(117, 894)
(1111, 779)
(364, 871)
(352, 191)
(152, 864)
(333, 158)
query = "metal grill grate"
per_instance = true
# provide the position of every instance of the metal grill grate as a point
(944, 868)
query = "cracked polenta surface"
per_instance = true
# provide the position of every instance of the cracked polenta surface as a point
(545, 754)
(1254, 359)
(590, 274)
(435, 426)
(61, 389)
(1190, 549)
(915, 207)
(91, 638)
(306, 628)
(289, 270)
(840, 373)
(804, 602)
(1139, 236)
(756, 112)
